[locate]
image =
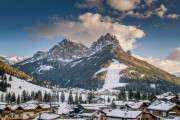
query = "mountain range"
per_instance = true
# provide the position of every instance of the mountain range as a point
(12, 60)
(104, 65)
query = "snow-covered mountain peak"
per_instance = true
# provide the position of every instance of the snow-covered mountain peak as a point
(105, 40)
(12, 59)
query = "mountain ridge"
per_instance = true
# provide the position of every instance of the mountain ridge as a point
(79, 72)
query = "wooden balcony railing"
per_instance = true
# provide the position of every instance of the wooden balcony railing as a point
(6, 112)
(14, 118)
(19, 111)
(38, 110)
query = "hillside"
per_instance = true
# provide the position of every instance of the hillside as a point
(5, 68)
(17, 86)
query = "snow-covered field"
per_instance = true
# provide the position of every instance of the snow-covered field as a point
(112, 76)
(18, 85)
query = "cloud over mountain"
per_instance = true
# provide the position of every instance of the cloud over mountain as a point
(174, 55)
(87, 29)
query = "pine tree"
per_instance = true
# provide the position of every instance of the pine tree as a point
(10, 78)
(70, 98)
(108, 100)
(144, 96)
(76, 99)
(137, 95)
(80, 99)
(18, 99)
(130, 94)
(13, 98)
(62, 97)
(2, 97)
(113, 105)
(32, 95)
(39, 93)
(119, 96)
(5, 77)
(24, 96)
(45, 99)
(49, 97)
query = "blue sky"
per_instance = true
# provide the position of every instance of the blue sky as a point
(158, 19)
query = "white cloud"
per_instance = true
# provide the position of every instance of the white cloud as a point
(166, 65)
(89, 28)
(174, 55)
(161, 11)
(173, 16)
(123, 5)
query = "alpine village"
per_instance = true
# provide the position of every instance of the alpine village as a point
(93, 72)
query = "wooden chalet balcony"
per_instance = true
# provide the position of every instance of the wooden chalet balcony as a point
(19, 111)
(38, 110)
(14, 118)
(6, 112)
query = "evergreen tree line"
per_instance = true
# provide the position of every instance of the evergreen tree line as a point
(78, 98)
(10, 97)
(3, 83)
(137, 95)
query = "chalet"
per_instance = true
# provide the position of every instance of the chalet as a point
(148, 116)
(163, 109)
(136, 106)
(117, 114)
(131, 105)
(17, 112)
(31, 111)
(5, 112)
(90, 114)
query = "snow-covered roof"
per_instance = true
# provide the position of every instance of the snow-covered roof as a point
(29, 106)
(45, 106)
(162, 106)
(165, 97)
(32, 102)
(134, 105)
(14, 107)
(88, 112)
(123, 114)
(3, 103)
(2, 107)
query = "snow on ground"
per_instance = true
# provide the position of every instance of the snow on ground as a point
(112, 76)
(99, 71)
(18, 85)
(76, 63)
(64, 108)
(44, 68)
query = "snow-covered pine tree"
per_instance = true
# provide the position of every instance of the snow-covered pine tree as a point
(62, 97)
(80, 99)
(76, 99)
(70, 98)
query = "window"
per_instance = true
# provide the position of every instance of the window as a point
(3, 116)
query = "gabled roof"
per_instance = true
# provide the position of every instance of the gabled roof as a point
(14, 107)
(123, 114)
(2, 107)
(88, 112)
(162, 106)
